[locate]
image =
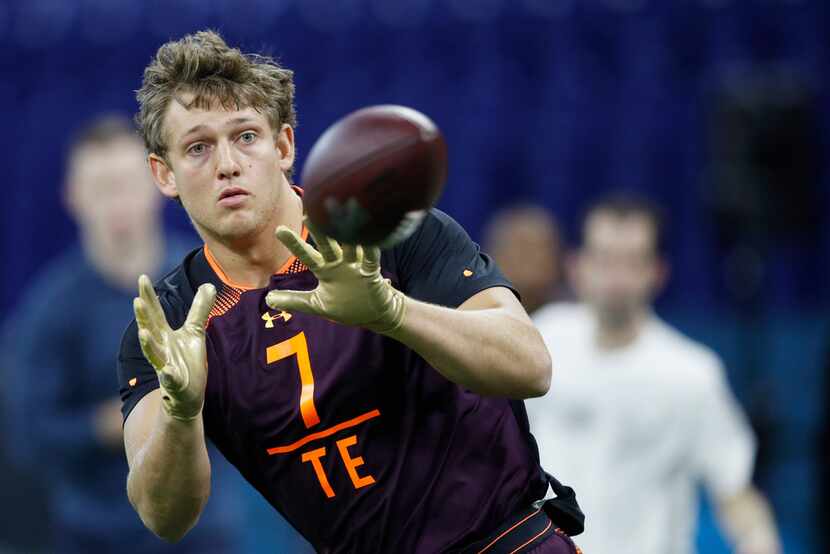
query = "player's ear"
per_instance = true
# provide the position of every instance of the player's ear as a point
(163, 176)
(285, 144)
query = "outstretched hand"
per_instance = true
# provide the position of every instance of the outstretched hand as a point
(351, 289)
(178, 356)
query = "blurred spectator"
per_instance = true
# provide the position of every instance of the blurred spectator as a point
(638, 415)
(525, 242)
(22, 530)
(62, 346)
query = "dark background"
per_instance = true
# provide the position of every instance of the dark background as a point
(718, 109)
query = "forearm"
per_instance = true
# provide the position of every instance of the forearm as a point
(169, 479)
(748, 520)
(489, 351)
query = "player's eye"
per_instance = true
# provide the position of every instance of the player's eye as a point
(247, 137)
(197, 149)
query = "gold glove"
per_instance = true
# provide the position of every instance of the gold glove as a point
(351, 289)
(179, 357)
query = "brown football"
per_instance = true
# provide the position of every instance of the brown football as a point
(371, 176)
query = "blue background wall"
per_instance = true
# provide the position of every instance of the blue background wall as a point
(554, 101)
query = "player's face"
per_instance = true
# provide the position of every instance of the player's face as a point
(227, 167)
(110, 193)
(619, 270)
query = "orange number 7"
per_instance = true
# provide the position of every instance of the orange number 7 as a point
(285, 349)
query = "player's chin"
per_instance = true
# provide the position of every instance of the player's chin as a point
(238, 224)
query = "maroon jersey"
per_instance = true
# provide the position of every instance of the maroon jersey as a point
(352, 436)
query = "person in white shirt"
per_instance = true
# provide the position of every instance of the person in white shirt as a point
(639, 415)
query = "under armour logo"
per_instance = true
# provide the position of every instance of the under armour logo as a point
(270, 319)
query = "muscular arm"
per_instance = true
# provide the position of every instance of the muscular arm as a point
(748, 520)
(488, 345)
(169, 479)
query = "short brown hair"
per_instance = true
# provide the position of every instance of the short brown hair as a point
(202, 64)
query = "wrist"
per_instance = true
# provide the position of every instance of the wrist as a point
(394, 316)
(178, 411)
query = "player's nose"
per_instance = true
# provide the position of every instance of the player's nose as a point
(226, 165)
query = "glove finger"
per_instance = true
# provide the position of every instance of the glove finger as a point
(200, 309)
(300, 248)
(140, 311)
(151, 349)
(143, 319)
(290, 300)
(350, 253)
(371, 259)
(328, 247)
(155, 313)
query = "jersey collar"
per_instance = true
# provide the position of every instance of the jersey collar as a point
(284, 269)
